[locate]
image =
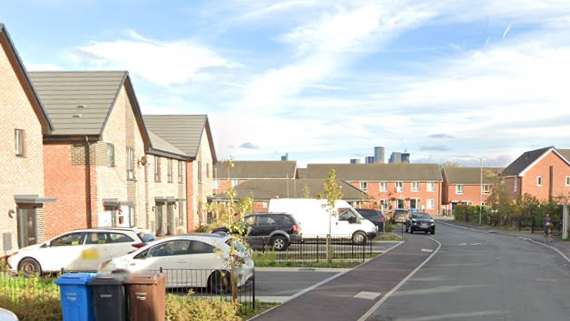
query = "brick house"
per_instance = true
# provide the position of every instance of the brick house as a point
(543, 173)
(413, 186)
(263, 190)
(22, 126)
(190, 134)
(226, 176)
(467, 185)
(90, 158)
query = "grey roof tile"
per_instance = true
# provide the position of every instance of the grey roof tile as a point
(471, 175)
(521, 163)
(256, 169)
(377, 172)
(160, 144)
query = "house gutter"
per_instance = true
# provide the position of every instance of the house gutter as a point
(88, 176)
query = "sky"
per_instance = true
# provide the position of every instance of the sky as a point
(326, 81)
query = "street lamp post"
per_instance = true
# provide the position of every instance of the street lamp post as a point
(481, 192)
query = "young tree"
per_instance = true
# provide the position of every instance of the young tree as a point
(332, 193)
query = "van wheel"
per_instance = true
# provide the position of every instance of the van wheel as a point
(359, 238)
(279, 243)
(30, 268)
(220, 282)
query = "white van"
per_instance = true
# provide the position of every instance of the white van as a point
(313, 216)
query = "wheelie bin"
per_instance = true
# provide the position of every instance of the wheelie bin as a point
(76, 296)
(109, 303)
(146, 297)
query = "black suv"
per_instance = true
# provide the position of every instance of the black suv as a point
(374, 216)
(278, 230)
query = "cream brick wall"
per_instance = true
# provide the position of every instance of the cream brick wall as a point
(204, 189)
(166, 189)
(123, 132)
(20, 175)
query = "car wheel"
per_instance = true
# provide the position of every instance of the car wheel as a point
(279, 243)
(359, 238)
(30, 267)
(411, 230)
(432, 231)
(220, 282)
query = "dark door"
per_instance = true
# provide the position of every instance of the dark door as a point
(27, 227)
(170, 219)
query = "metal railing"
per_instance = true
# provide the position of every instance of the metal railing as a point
(313, 248)
(522, 223)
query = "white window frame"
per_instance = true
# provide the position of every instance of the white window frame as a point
(180, 172)
(430, 203)
(459, 189)
(169, 171)
(539, 181)
(430, 186)
(415, 186)
(417, 201)
(486, 189)
(20, 142)
(234, 182)
(111, 155)
(130, 164)
(216, 183)
(364, 186)
(515, 185)
(383, 187)
(399, 187)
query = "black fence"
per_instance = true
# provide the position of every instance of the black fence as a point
(314, 249)
(521, 223)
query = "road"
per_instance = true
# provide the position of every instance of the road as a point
(477, 276)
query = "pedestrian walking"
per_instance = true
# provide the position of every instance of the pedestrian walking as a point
(547, 226)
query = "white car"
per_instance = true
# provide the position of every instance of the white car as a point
(6, 315)
(78, 250)
(199, 260)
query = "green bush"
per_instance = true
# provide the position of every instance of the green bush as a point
(181, 308)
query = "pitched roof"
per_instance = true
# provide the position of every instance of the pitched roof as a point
(377, 172)
(265, 189)
(565, 153)
(255, 169)
(524, 161)
(20, 70)
(471, 175)
(182, 131)
(80, 102)
(301, 173)
(161, 145)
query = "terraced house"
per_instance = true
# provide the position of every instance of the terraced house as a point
(23, 122)
(91, 157)
(231, 174)
(190, 136)
(390, 186)
(467, 185)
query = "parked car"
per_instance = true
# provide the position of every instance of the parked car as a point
(6, 315)
(314, 217)
(278, 230)
(196, 260)
(78, 250)
(419, 221)
(399, 215)
(374, 216)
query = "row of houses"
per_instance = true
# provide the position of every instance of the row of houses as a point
(76, 152)
(543, 173)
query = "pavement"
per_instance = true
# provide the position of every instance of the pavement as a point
(563, 247)
(350, 295)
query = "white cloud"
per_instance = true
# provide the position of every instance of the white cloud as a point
(162, 63)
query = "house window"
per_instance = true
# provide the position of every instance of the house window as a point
(169, 170)
(458, 189)
(130, 164)
(415, 186)
(364, 186)
(399, 186)
(264, 205)
(414, 202)
(430, 186)
(235, 182)
(207, 170)
(486, 189)
(515, 183)
(383, 186)
(199, 172)
(20, 140)
(567, 180)
(430, 204)
(539, 181)
(156, 169)
(216, 183)
(180, 171)
(111, 155)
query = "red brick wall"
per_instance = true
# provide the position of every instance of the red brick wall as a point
(422, 194)
(224, 185)
(471, 194)
(67, 183)
(560, 170)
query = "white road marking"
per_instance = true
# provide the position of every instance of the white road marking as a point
(367, 295)
(463, 244)
(427, 250)
(476, 244)
(385, 297)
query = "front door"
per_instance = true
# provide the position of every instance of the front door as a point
(27, 227)
(158, 220)
(170, 219)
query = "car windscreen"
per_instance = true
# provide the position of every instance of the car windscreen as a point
(146, 237)
(423, 216)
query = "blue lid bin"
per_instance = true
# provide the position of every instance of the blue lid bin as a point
(76, 296)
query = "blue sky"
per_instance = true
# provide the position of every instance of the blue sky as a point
(327, 81)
